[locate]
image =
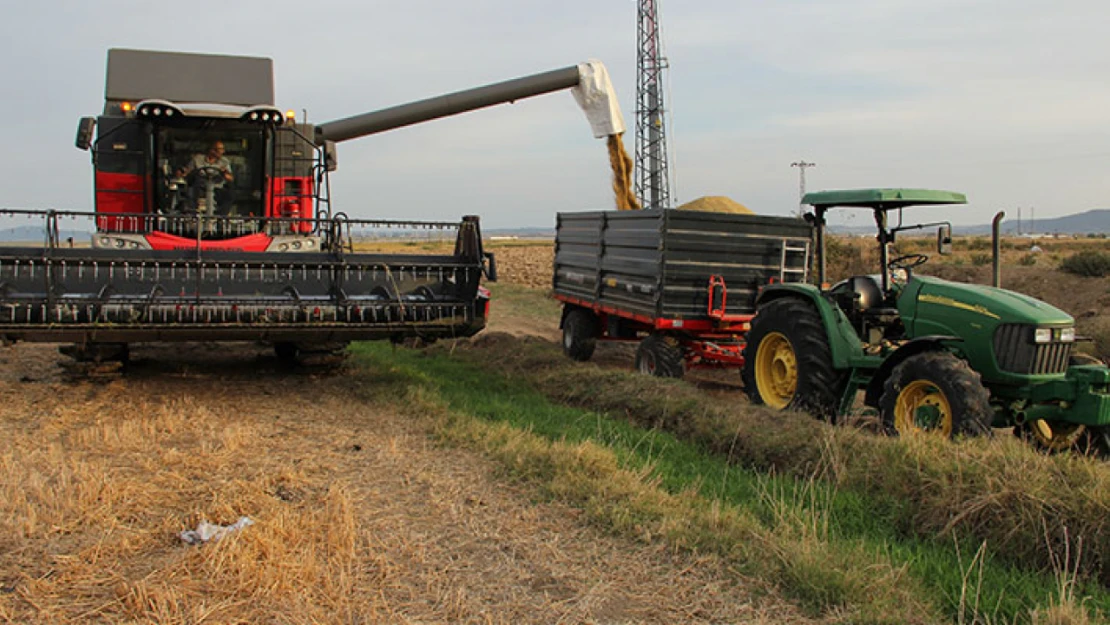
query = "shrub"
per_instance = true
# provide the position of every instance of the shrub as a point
(1091, 264)
(1028, 260)
(981, 259)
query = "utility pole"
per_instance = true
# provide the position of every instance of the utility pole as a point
(802, 165)
(652, 181)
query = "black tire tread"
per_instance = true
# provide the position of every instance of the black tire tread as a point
(962, 386)
(580, 331)
(667, 354)
(819, 382)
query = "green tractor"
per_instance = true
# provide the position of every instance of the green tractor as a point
(929, 354)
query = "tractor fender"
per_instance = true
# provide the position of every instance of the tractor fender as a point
(844, 343)
(914, 347)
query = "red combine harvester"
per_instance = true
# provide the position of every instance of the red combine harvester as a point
(212, 221)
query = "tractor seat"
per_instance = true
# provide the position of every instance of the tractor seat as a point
(868, 293)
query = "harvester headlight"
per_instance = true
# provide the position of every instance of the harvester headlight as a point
(296, 245)
(1042, 335)
(105, 241)
(120, 243)
(284, 247)
(254, 116)
(1067, 335)
(309, 243)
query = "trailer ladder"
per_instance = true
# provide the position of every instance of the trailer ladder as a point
(784, 270)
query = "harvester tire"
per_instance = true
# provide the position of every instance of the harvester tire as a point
(788, 362)
(580, 330)
(659, 355)
(936, 392)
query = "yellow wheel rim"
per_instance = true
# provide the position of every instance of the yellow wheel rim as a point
(776, 371)
(1056, 435)
(922, 407)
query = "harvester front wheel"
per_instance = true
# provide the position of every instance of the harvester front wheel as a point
(936, 392)
(788, 362)
(580, 332)
(660, 356)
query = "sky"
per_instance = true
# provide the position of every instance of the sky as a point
(1007, 102)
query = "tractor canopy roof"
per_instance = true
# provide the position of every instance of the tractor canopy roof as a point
(882, 199)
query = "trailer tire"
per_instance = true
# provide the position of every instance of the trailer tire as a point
(659, 355)
(787, 351)
(580, 331)
(936, 392)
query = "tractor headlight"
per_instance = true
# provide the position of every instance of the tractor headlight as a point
(1042, 335)
(1067, 335)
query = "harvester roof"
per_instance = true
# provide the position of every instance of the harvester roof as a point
(882, 199)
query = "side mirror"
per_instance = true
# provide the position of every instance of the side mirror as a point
(944, 240)
(85, 132)
(331, 156)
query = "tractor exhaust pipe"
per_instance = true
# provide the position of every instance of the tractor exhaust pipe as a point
(996, 246)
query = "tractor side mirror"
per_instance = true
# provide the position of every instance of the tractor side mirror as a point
(331, 156)
(944, 240)
(85, 132)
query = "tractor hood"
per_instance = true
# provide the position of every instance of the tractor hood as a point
(939, 306)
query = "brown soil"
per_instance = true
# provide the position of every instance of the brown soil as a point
(359, 516)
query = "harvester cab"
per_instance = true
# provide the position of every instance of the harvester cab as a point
(930, 355)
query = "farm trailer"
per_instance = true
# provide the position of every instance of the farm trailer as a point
(681, 282)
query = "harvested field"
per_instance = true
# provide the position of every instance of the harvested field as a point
(359, 516)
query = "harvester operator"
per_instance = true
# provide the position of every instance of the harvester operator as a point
(211, 168)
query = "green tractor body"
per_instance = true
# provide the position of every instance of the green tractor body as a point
(929, 354)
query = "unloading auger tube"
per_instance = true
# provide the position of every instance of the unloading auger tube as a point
(590, 80)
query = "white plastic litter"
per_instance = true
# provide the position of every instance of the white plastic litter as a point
(206, 531)
(598, 100)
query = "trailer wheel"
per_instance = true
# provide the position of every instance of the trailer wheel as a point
(788, 361)
(580, 330)
(936, 392)
(660, 356)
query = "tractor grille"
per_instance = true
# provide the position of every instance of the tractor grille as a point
(1016, 352)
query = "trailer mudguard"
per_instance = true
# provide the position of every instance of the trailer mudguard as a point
(844, 343)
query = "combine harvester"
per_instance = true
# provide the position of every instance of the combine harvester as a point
(212, 221)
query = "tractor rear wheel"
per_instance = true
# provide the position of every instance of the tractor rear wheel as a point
(936, 392)
(659, 355)
(580, 330)
(788, 362)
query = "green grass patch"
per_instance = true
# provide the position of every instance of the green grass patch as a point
(827, 543)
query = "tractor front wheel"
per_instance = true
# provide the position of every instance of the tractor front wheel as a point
(1054, 436)
(938, 393)
(580, 334)
(788, 362)
(660, 356)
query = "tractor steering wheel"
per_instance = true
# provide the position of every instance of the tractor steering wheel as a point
(908, 261)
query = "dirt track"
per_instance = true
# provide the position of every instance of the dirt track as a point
(360, 516)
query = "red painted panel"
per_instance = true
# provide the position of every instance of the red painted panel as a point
(119, 194)
(256, 242)
(291, 198)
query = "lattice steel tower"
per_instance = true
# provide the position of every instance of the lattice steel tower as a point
(652, 179)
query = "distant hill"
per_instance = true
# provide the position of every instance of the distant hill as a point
(1091, 222)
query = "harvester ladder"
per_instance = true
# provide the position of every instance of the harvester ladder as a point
(785, 270)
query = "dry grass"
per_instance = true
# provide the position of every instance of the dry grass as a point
(358, 517)
(1028, 506)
